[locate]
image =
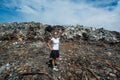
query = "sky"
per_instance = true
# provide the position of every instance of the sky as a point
(92, 13)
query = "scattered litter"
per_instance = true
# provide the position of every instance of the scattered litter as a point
(85, 53)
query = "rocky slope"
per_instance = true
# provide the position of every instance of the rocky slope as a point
(86, 53)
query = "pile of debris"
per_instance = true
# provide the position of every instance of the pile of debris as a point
(85, 53)
(39, 31)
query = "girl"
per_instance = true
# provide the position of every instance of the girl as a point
(53, 45)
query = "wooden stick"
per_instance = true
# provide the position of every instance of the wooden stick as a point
(117, 67)
(95, 75)
(86, 77)
(40, 73)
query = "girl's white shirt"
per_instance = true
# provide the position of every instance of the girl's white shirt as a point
(55, 43)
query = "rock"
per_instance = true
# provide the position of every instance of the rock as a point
(112, 75)
(109, 53)
(69, 74)
(7, 66)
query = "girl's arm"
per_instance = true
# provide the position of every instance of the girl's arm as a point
(49, 44)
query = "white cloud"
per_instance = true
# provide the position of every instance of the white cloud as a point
(67, 12)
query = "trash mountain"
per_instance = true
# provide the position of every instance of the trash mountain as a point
(38, 30)
(86, 53)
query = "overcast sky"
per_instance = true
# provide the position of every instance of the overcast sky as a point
(92, 13)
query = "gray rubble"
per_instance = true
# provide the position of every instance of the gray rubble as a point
(37, 30)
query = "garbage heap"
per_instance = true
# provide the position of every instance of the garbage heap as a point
(86, 53)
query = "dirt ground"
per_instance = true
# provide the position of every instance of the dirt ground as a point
(79, 60)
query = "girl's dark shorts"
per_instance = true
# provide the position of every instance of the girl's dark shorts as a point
(54, 54)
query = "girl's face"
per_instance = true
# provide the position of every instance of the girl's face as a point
(55, 34)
